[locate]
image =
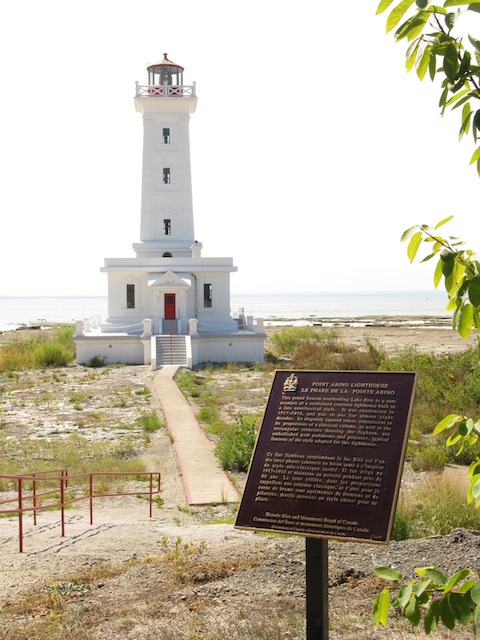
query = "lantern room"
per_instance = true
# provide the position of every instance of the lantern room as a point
(165, 72)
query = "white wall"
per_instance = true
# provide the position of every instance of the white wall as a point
(125, 349)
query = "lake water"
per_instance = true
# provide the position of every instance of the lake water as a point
(274, 308)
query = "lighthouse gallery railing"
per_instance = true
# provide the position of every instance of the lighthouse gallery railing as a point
(165, 90)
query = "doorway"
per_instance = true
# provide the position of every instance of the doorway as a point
(170, 306)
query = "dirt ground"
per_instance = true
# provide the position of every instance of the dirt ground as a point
(267, 576)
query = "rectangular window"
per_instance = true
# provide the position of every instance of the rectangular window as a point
(166, 136)
(130, 296)
(207, 295)
(166, 175)
(167, 226)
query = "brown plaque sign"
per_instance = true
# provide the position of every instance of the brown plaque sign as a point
(329, 455)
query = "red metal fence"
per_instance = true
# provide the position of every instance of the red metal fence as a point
(42, 500)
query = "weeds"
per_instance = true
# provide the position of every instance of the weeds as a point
(42, 349)
(150, 422)
(235, 446)
(434, 509)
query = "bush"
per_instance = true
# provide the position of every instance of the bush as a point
(235, 446)
(51, 354)
(52, 348)
(288, 339)
(150, 421)
(96, 362)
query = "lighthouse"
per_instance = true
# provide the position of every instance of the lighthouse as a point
(168, 304)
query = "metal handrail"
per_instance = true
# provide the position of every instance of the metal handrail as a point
(64, 478)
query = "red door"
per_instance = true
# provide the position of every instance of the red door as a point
(170, 306)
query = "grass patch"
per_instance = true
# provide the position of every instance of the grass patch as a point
(235, 445)
(150, 422)
(435, 509)
(38, 349)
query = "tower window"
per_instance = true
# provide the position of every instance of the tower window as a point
(130, 296)
(166, 136)
(207, 295)
(167, 227)
(166, 175)
(167, 254)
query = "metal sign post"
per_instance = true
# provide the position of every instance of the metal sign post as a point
(316, 554)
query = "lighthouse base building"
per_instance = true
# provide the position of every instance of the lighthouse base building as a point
(168, 304)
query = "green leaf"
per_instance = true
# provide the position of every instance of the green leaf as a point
(474, 291)
(476, 617)
(404, 595)
(424, 63)
(465, 321)
(432, 67)
(465, 428)
(432, 616)
(397, 14)
(442, 222)
(381, 607)
(476, 119)
(460, 607)
(412, 54)
(453, 439)
(447, 423)
(475, 43)
(421, 586)
(406, 234)
(412, 612)
(437, 577)
(450, 20)
(384, 4)
(475, 593)
(475, 156)
(455, 579)
(450, 62)
(466, 117)
(387, 573)
(467, 586)
(446, 614)
(474, 490)
(413, 245)
(438, 273)
(455, 3)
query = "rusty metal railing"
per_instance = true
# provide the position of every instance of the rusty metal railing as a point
(63, 479)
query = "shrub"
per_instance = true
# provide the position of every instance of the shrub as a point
(150, 421)
(96, 362)
(235, 446)
(52, 354)
(288, 339)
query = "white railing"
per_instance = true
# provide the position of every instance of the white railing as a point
(155, 90)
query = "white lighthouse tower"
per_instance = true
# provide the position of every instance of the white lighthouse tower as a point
(168, 304)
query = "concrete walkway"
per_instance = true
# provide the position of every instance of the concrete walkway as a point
(204, 480)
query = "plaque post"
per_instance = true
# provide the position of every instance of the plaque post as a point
(316, 554)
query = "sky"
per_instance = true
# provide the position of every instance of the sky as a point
(312, 149)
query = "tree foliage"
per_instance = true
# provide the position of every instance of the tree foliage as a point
(434, 48)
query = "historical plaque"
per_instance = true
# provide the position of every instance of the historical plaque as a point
(329, 456)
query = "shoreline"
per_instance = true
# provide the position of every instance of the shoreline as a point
(428, 334)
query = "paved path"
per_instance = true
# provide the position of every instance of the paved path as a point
(204, 480)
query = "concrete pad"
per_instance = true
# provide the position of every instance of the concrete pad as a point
(204, 480)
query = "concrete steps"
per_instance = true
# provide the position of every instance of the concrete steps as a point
(170, 349)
